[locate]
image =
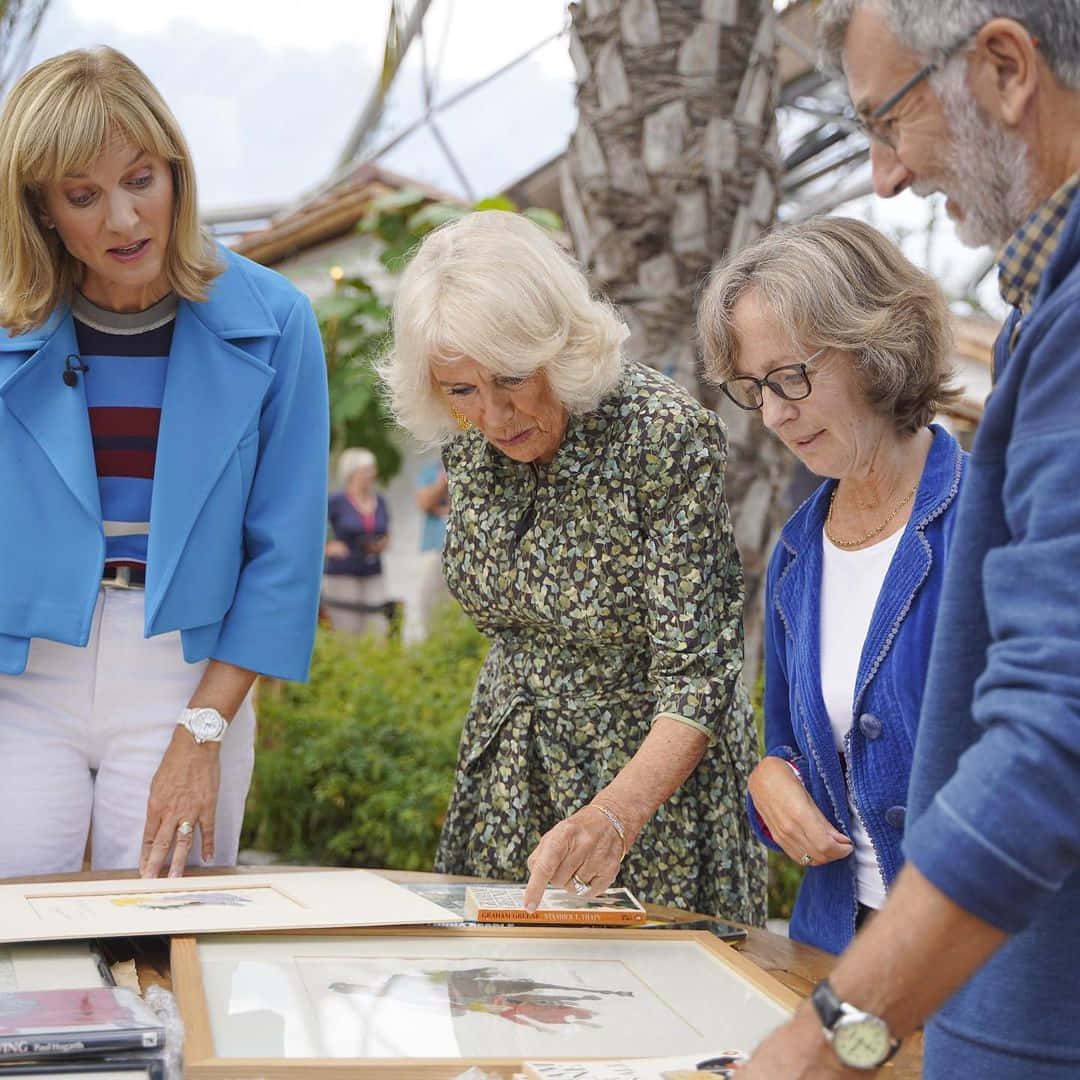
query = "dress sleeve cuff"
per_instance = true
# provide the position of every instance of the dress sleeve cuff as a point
(710, 735)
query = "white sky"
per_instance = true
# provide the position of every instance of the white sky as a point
(267, 90)
(489, 27)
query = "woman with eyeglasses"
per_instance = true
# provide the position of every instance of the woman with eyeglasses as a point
(842, 345)
(588, 537)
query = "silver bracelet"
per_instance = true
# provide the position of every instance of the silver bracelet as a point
(616, 824)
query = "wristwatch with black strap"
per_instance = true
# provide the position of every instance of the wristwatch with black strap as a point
(859, 1039)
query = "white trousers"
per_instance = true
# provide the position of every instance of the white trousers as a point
(82, 732)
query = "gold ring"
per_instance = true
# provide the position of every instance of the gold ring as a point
(580, 887)
(185, 828)
(807, 859)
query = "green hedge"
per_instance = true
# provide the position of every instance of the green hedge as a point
(355, 767)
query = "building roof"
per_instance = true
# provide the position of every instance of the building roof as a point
(327, 214)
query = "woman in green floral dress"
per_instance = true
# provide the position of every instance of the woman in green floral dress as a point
(588, 537)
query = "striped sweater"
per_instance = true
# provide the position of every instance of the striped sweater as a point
(127, 355)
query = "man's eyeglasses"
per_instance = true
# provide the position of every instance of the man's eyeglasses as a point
(790, 381)
(875, 126)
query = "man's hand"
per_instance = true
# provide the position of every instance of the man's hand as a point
(797, 1051)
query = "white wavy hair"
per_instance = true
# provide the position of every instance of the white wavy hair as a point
(496, 288)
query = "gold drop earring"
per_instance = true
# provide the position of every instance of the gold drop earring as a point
(462, 421)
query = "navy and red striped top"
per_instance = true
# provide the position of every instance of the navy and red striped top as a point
(127, 355)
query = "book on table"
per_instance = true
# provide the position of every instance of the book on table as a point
(54, 1024)
(133, 1066)
(506, 904)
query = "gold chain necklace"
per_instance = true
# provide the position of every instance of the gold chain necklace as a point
(873, 532)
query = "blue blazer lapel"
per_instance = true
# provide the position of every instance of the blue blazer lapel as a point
(54, 415)
(214, 389)
(799, 598)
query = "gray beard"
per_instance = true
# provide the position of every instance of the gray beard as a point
(989, 174)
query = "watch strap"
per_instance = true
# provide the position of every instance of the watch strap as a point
(826, 1004)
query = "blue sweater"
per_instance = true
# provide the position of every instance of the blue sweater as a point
(889, 686)
(995, 786)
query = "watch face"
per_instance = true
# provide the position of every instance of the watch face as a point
(863, 1042)
(206, 724)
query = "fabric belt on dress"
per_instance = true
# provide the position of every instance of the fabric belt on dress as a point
(124, 577)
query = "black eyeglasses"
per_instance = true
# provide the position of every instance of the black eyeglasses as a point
(790, 381)
(872, 126)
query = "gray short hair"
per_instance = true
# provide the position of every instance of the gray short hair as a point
(931, 28)
(497, 288)
(352, 460)
(837, 283)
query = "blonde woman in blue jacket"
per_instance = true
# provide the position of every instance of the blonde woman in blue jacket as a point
(163, 456)
(842, 345)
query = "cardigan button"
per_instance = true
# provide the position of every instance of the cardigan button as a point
(895, 816)
(870, 725)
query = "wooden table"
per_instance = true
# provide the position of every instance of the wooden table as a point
(797, 966)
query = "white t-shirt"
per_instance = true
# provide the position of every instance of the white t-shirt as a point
(850, 583)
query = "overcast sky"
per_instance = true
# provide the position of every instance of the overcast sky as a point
(268, 90)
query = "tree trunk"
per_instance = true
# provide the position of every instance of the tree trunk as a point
(672, 166)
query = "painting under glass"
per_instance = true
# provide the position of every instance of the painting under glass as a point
(420, 997)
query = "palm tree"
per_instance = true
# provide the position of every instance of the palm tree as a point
(672, 166)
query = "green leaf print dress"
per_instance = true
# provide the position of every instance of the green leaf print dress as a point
(610, 586)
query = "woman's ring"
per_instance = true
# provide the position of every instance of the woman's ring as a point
(580, 887)
(185, 828)
(807, 859)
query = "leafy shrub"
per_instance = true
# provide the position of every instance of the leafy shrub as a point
(355, 767)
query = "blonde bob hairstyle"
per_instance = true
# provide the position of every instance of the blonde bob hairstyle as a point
(496, 288)
(837, 283)
(55, 122)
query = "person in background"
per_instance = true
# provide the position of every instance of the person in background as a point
(433, 500)
(163, 449)
(354, 591)
(979, 936)
(589, 539)
(842, 346)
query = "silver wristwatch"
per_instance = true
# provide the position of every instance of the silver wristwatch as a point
(859, 1039)
(205, 724)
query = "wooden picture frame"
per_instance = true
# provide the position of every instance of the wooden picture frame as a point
(256, 1005)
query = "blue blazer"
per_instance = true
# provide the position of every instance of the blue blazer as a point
(237, 520)
(889, 686)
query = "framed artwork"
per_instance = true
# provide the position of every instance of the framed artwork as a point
(62, 965)
(127, 907)
(428, 1002)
